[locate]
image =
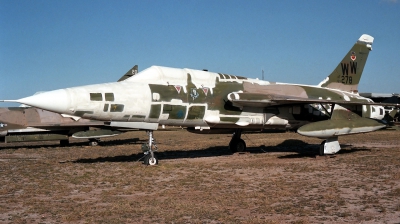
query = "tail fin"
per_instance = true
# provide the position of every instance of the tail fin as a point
(347, 74)
(133, 71)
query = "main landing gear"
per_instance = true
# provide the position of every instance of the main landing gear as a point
(149, 148)
(93, 142)
(237, 144)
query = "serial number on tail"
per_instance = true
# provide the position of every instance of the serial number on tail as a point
(346, 79)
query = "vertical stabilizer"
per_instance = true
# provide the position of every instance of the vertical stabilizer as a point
(347, 74)
(133, 71)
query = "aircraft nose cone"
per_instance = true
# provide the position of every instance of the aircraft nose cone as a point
(56, 100)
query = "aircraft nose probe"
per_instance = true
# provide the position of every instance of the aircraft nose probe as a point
(56, 100)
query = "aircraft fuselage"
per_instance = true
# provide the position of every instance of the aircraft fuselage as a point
(194, 98)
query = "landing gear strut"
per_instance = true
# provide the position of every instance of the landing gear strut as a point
(237, 144)
(149, 148)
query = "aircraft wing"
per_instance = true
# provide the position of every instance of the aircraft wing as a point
(266, 100)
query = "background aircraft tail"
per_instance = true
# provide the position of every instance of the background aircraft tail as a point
(133, 71)
(347, 74)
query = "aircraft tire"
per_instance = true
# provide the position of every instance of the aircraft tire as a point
(93, 143)
(237, 145)
(150, 161)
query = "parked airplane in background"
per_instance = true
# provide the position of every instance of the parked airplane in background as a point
(206, 101)
(392, 114)
(27, 124)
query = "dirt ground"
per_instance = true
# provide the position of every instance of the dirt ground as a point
(198, 180)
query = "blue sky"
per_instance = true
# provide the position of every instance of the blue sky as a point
(47, 45)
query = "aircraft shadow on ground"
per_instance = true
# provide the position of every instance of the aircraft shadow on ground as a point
(175, 154)
(301, 148)
(304, 149)
(125, 158)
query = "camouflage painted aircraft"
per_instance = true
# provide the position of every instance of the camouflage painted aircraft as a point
(207, 102)
(27, 124)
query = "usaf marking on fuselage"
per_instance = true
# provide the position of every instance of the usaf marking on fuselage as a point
(206, 102)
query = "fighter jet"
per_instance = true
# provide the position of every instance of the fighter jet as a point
(27, 124)
(209, 102)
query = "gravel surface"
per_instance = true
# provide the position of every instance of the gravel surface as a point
(198, 180)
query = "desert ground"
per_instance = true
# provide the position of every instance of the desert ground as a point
(280, 179)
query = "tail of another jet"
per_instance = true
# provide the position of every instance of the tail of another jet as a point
(347, 74)
(133, 71)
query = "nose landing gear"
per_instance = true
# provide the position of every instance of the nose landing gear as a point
(149, 148)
